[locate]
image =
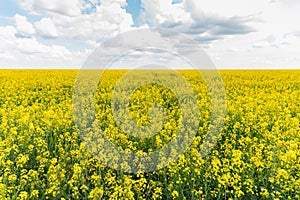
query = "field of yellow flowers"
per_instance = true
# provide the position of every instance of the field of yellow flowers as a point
(256, 157)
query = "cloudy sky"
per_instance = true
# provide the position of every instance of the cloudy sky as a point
(234, 33)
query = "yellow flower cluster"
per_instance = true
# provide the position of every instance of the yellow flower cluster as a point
(256, 157)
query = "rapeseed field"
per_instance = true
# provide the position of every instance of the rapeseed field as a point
(42, 155)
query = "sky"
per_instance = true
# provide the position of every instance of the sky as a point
(235, 34)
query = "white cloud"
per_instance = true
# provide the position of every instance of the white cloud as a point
(261, 44)
(23, 26)
(68, 19)
(160, 12)
(108, 19)
(7, 33)
(189, 17)
(46, 28)
(29, 52)
(150, 11)
(66, 23)
(237, 33)
(65, 7)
